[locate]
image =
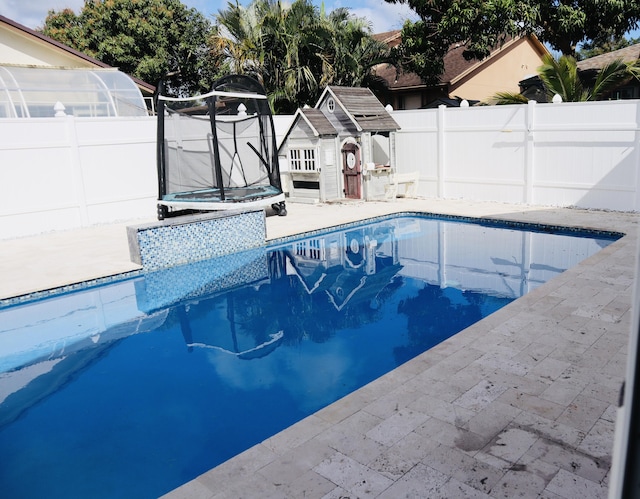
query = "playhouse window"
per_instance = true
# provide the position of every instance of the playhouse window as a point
(331, 105)
(303, 160)
(312, 249)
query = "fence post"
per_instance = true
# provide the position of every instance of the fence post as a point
(529, 163)
(636, 152)
(441, 155)
(77, 171)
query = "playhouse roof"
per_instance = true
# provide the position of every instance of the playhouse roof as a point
(363, 108)
(360, 105)
(317, 121)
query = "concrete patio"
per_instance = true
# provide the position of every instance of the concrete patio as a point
(521, 404)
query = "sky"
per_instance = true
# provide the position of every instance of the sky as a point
(383, 16)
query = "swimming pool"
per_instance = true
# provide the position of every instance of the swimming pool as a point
(136, 387)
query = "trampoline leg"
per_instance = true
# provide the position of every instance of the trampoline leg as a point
(282, 209)
(162, 212)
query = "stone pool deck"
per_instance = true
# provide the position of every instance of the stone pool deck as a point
(521, 404)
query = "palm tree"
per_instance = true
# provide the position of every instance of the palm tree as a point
(298, 65)
(503, 98)
(611, 77)
(237, 38)
(296, 51)
(562, 77)
(356, 52)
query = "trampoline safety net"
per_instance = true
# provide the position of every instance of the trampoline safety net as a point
(218, 149)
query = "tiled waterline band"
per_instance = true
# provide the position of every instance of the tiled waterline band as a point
(193, 238)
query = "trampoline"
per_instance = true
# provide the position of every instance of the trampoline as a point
(218, 151)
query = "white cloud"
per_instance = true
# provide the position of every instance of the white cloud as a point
(383, 16)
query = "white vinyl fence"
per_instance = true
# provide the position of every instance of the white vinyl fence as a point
(63, 173)
(569, 154)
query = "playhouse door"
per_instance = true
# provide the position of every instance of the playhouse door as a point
(352, 170)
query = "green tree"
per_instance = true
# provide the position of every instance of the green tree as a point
(562, 77)
(604, 45)
(481, 26)
(563, 25)
(144, 38)
(296, 50)
(65, 26)
(353, 52)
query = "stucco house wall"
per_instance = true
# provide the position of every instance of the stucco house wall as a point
(501, 72)
(471, 80)
(18, 48)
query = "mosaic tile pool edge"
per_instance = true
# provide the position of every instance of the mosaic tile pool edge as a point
(194, 238)
(491, 222)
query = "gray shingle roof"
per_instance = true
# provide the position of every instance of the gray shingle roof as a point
(365, 108)
(319, 121)
(627, 54)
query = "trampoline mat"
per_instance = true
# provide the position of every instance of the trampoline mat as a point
(232, 194)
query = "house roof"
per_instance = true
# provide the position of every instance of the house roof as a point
(627, 54)
(446, 101)
(455, 65)
(391, 38)
(55, 45)
(363, 107)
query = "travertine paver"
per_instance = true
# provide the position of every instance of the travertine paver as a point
(522, 403)
(570, 486)
(481, 395)
(511, 444)
(419, 481)
(352, 476)
(576, 462)
(472, 471)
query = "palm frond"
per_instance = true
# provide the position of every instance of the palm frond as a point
(610, 77)
(560, 76)
(503, 98)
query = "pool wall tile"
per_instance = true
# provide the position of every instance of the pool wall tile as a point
(193, 238)
(159, 290)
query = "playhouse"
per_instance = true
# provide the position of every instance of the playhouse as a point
(344, 147)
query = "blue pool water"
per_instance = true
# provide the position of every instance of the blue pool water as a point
(132, 388)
